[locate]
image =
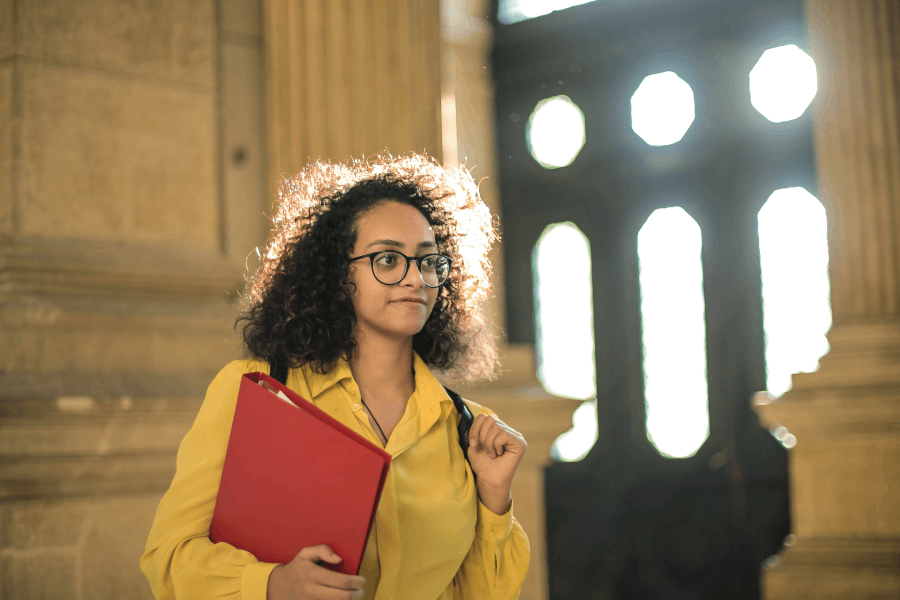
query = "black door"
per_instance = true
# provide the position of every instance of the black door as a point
(626, 522)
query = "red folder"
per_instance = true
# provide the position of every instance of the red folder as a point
(294, 476)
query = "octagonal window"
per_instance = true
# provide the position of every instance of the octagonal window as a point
(662, 109)
(783, 83)
(793, 252)
(555, 132)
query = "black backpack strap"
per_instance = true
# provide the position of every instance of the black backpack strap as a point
(278, 371)
(465, 422)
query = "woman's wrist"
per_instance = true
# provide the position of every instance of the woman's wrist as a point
(275, 588)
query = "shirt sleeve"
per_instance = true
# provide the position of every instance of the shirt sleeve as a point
(179, 560)
(497, 562)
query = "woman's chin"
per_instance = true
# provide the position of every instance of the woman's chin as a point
(402, 330)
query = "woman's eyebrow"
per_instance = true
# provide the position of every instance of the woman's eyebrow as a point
(397, 244)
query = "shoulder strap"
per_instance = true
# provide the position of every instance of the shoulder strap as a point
(465, 421)
(278, 371)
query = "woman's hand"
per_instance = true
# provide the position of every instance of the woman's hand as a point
(495, 451)
(304, 579)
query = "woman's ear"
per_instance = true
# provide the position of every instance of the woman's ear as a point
(347, 290)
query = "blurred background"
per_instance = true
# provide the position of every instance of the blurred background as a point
(697, 285)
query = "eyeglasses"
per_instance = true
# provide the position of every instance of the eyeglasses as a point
(435, 268)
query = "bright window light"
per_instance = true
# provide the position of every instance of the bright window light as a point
(513, 11)
(793, 251)
(564, 319)
(564, 312)
(783, 83)
(574, 444)
(674, 332)
(555, 132)
(662, 109)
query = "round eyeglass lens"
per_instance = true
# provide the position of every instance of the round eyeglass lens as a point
(388, 268)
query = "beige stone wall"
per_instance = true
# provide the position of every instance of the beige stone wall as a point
(132, 191)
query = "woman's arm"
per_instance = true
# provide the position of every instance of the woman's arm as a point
(497, 562)
(179, 560)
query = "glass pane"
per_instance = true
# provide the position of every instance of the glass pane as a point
(793, 252)
(565, 330)
(555, 132)
(674, 332)
(783, 83)
(574, 444)
(513, 11)
(662, 109)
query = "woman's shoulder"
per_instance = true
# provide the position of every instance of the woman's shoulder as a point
(477, 408)
(233, 371)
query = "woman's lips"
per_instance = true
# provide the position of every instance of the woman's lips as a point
(408, 303)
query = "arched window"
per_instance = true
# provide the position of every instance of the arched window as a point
(793, 251)
(564, 330)
(674, 332)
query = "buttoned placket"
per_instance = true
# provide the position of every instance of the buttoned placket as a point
(361, 415)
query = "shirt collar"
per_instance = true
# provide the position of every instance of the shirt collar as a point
(428, 388)
(318, 383)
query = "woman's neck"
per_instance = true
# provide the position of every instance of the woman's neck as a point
(383, 369)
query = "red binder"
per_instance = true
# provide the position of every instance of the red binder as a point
(294, 476)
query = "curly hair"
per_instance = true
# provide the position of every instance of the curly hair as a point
(298, 304)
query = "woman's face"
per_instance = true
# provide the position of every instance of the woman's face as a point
(392, 310)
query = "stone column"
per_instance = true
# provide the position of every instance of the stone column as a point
(350, 78)
(131, 194)
(845, 468)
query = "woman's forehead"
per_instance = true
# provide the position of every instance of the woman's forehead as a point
(393, 221)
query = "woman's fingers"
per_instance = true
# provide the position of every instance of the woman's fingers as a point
(484, 433)
(476, 435)
(493, 441)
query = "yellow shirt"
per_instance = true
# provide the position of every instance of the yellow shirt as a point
(432, 537)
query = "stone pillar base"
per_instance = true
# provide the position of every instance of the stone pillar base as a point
(844, 470)
(825, 569)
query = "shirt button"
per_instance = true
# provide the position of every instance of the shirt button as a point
(496, 529)
(356, 407)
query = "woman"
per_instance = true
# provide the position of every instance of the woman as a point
(375, 274)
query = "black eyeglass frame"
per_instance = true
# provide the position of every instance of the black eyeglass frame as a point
(418, 260)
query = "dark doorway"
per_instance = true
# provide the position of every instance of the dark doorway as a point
(626, 522)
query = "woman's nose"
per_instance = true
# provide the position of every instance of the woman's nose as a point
(409, 279)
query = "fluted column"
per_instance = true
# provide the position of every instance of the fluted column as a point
(351, 78)
(857, 46)
(845, 467)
